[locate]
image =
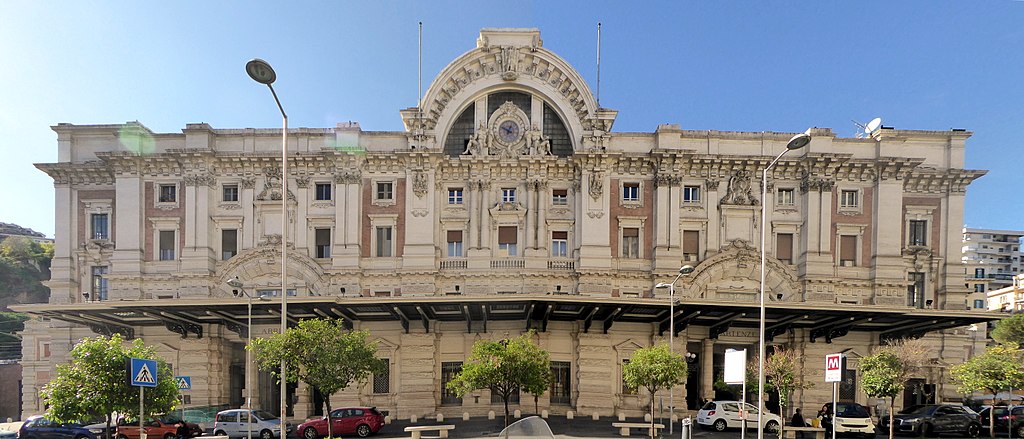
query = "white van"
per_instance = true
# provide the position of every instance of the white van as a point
(232, 423)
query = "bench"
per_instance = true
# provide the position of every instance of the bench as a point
(625, 426)
(416, 430)
(790, 432)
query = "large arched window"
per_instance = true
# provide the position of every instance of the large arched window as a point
(460, 132)
(466, 125)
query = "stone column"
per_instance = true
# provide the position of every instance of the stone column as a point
(485, 216)
(129, 234)
(418, 376)
(247, 238)
(887, 261)
(713, 240)
(531, 220)
(597, 375)
(707, 362)
(198, 255)
(62, 286)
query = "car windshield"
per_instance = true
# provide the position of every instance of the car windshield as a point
(710, 405)
(853, 411)
(918, 410)
(264, 416)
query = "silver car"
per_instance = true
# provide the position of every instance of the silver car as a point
(232, 423)
(721, 415)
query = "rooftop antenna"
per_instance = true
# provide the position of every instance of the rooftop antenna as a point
(599, 64)
(419, 82)
(870, 129)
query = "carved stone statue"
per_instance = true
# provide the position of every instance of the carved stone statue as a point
(596, 184)
(486, 139)
(473, 145)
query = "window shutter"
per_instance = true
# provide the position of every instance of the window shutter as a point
(784, 246)
(630, 232)
(560, 235)
(691, 242)
(847, 248)
(506, 235)
(455, 236)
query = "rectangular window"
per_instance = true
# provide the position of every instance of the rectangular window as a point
(513, 397)
(100, 226)
(848, 198)
(847, 250)
(559, 197)
(382, 380)
(691, 194)
(230, 193)
(691, 245)
(784, 247)
(507, 239)
(168, 193)
(455, 243)
(979, 273)
(561, 383)
(275, 293)
(448, 371)
(508, 195)
(979, 304)
(785, 197)
(454, 195)
(915, 290)
(167, 245)
(918, 232)
(626, 389)
(559, 244)
(631, 243)
(385, 190)
(323, 243)
(99, 284)
(323, 191)
(630, 191)
(848, 385)
(383, 242)
(979, 288)
(228, 243)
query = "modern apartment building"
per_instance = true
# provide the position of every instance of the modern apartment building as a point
(992, 258)
(508, 203)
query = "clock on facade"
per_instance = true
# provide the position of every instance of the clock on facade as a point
(509, 131)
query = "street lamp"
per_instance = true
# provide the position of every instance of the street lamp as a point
(261, 72)
(684, 270)
(237, 291)
(796, 142)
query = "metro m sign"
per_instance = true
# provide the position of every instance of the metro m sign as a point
(833, 368)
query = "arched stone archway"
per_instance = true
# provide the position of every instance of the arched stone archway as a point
(735, 274)
(261, 267)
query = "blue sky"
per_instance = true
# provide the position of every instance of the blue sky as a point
(740, 65)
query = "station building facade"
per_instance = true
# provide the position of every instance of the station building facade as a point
(508, 203)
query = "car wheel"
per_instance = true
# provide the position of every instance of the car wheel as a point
(169, 436)
(310, 433)
(771, 427)
(81, 436)
(720, 425)
(121, 436)
(266, 434)
(1020, 430)
(363, 430)
(216, 433)
(973, 430)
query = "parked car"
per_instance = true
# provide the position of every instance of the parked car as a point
(232, 423)
(38, 427)
(155, 428)
(1003, 418)
(361, 421)
(854, 420)
(194, 429)
(932, 419)
(722, 415)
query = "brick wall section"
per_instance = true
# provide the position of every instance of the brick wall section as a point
(149, 207)
(934, 223)
(864, 219)
(646, 210)
(398, 235)
(85, 220)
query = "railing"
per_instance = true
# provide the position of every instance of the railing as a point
(508, 263)
(562, 264)
(454, 264)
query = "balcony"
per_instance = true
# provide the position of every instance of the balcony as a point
(454, 263)
(508, 263)
(564, 264)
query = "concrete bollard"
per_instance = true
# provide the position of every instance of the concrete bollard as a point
(570, 415)
(595, 416)
(674, 418)
(490, 415)
(517, 414)
(544, 414)
(647, 417)
(465, 416)
(387, 420)
(622, 417)
(440, 417)
(412, 419)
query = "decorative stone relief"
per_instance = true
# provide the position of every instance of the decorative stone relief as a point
(711, 184)
(348, 177)
(272, 187)
(420, 213)
(419, 183)
(302, 181)
(595, 213)
(596, 184)
(248, 183)
(739, 192)
(204, 179)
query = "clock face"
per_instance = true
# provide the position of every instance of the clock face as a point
(509, 132)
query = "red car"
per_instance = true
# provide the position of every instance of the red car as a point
(362, 421)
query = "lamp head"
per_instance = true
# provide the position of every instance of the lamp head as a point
(234, 282)
(686, 269)
(800, 140)
(260, 71)
(662, 285)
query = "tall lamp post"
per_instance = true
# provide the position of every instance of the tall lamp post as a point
(796, 142)
(261, 72)
(240, 290)
(684, 270)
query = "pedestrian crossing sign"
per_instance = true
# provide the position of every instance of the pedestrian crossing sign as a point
(183, 382)
(142, 372)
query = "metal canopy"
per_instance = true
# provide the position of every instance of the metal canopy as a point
(414, 313)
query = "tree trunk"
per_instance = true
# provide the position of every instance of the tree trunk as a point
(106, 431)
(782, 419)
(992, 416)
(892, 402)
(536, 405)
(505, 397)
(652, 412)
(330, 422)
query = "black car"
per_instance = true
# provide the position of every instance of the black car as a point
(934, 419)
(1004, 418)
(38, 427)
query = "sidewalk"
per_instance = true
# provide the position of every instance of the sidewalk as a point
(563, 428)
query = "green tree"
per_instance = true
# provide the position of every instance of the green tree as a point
(1000, 367)
(504, 366)
(654, 368)
(884, 374)
(1010, 330)
(780, 376)
(321, 353)
(94, 382)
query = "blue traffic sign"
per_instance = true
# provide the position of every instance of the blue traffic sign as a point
(183, 382)
(142, 372)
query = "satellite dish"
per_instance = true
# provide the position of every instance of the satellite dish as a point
(873, 125)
